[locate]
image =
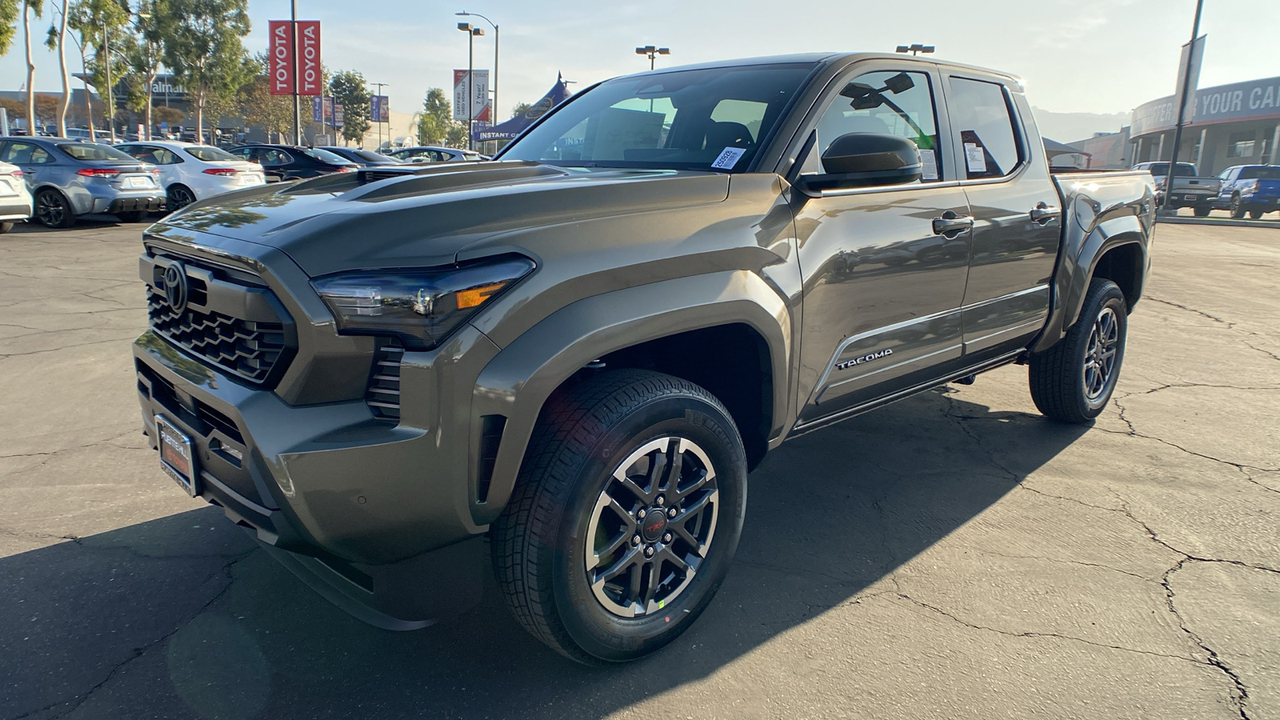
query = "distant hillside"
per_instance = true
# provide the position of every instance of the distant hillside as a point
(1069, 127)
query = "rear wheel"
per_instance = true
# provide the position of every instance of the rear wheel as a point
(1202, 211)
(1237, 207)
(1073, 380)
(179, 196)
(6, 226)
(132, 216)
(53, 210)
(625, 517)
(1257, 214)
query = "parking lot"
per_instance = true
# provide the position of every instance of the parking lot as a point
(951, 556)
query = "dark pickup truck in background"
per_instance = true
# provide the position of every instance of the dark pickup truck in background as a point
(571, 357)
(1188, 188)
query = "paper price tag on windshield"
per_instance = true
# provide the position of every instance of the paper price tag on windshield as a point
(728, 158)
(928, 165)
(975, 158)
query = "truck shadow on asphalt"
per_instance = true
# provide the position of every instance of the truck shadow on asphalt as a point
(182, 616)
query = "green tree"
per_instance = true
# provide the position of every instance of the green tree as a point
(351, 92)
(436, 118)
(201, 42)
(87, 18)
(29, 8)
(56, 39)
(520, 109)
(272, 113)
(457, 135)
(8, 24)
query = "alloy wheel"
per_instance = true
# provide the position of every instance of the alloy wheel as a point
(651, 527)
(1100, 354)
(180, 197)
(50, 210)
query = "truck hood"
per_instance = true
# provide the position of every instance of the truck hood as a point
(355, 221)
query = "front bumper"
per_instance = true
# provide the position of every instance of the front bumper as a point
(331, 508)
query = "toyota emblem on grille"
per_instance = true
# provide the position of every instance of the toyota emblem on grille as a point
(175, 287)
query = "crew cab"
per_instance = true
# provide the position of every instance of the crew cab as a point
(1188, 189)
(1252, 189)
(572, 356)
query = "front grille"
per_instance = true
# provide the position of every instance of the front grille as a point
(383, 395)
(212, 325)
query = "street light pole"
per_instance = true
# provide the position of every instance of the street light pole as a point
(297, 102)
(493, 115)
(472, 32)
(379, 118)
(1182, 112)
(652, 52)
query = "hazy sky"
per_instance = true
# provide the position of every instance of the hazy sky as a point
(1102, 56)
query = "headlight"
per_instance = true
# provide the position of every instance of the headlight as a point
(420, 306)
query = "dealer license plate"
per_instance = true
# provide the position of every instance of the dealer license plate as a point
(176, 458)
(137, 182)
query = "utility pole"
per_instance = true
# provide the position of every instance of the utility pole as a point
(1181, 99)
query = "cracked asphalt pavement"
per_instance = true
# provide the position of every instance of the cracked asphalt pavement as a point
(953, 555)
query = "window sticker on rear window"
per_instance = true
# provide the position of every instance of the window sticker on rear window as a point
(728, 158)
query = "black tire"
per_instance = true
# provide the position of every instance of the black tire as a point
(132, 216)
(1202, 211)
(1073, 380)
(1257, 214)
(53, 210)
(584, 436)
(1237, 207)
(178, 197)
(6, 226)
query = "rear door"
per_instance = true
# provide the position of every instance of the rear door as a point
(1017, 222)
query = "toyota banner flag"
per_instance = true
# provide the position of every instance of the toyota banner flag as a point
(294, 56)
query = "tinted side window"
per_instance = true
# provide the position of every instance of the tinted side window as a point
(866, 105)
(981, 113)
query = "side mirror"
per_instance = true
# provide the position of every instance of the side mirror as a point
(866, 160)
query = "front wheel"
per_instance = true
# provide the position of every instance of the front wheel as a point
(1073, 380)
(179, 196)
(6, 226)
(625, 517)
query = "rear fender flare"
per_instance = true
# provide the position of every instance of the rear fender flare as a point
(517, 382)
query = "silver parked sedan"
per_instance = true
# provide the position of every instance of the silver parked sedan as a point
(69, 178)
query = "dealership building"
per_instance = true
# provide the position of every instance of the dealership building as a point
(1237, 124)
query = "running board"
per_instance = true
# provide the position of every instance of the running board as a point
(901, 394)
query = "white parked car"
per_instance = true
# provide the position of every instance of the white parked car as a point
(191, 172)
(15, 198)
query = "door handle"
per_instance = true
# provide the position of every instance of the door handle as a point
(951, 224)
(1042, 213)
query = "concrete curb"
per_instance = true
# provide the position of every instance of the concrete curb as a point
(1218, 222)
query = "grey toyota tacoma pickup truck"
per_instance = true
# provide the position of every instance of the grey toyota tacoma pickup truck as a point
(572, 357)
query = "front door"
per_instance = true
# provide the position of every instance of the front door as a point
(884, 282)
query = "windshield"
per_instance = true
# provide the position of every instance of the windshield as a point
(371, 157)
(94, 151)
(209, 153)
(1266, 172)
(1184, 169)
(712, 119)
(325, 156)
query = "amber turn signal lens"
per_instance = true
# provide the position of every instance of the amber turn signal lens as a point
(475, 297)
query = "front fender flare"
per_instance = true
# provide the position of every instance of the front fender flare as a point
(517, 382)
